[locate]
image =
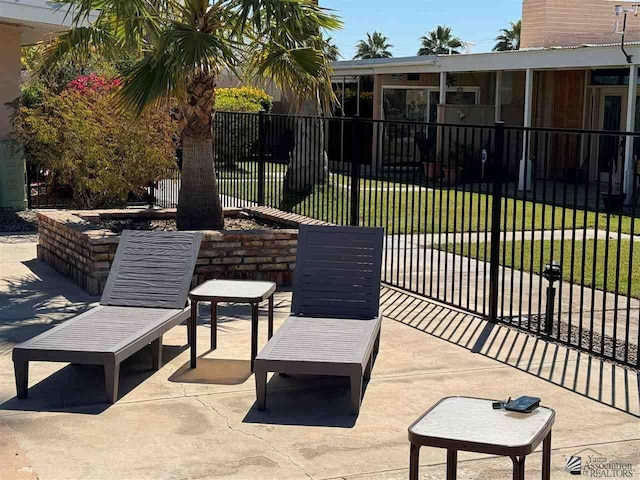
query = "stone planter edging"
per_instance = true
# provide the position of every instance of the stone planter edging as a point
(79, 249)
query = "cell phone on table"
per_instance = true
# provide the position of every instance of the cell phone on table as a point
(523, 404)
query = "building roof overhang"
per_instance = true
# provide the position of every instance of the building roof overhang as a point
(566, 58)
(39, 20)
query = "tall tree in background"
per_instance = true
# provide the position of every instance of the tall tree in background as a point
(331, 50)
(184, 45)
(374, 46)
(440, 41)
(509, 38)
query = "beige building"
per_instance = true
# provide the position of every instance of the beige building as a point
(551, 23)
(22, 23)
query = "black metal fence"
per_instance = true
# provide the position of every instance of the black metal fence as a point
(475, 216)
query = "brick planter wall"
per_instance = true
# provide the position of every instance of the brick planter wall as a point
(79, 249)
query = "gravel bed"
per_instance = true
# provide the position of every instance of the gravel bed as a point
(11, 222)
(533, 322)
(230, 224)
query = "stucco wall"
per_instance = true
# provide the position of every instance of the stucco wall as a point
(9, 74)
(12, 189)
(547, 23)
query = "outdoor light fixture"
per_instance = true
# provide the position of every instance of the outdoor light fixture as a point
(624, 8)
(552, 273)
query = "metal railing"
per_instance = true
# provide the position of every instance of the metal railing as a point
(474, 214)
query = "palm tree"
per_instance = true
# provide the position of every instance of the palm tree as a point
(440, 41)
(509, 38)
(184, 45)
(331, 50)
(375, 46)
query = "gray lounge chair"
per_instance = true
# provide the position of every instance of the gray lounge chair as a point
(334, 327)
(145, 295)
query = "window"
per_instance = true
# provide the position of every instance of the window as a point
(611, 76)
(420, 104)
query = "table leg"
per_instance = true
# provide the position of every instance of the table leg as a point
(452, 464)
(518, 468)
(214, 325)
(254, 333)
(193, 322)
(414, 462)
(270, 316)
(546, 458)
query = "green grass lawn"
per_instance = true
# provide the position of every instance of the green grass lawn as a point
(407, 209)
(601, 256)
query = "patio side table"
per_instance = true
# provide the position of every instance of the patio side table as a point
(235, 291)
(472, 425)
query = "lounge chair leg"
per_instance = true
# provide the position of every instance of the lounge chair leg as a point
(376, 346)
(356, 393)
(21, 369)
(261, 390)
(111, 380)
(156, 353)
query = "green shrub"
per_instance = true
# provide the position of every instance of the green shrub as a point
(243, 99)
(236, 139)
(86, 142)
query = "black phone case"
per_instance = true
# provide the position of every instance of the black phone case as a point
(523, 404)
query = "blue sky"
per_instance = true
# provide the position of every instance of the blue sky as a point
(404, 21)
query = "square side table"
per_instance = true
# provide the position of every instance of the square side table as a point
(234, 291)
(472, 425)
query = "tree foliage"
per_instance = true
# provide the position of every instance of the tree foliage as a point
(100, 151)
(183, 46)
(376, 45)
(509, 38)
(440, 41)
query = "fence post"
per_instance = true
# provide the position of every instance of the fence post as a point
(496, 214)
(152, 194)
(262, 138)
(355, 170)
(28, 181)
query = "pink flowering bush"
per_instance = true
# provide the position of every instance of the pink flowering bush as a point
(93, 83)
(102, 152)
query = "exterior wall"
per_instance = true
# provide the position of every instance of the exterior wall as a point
(549, 23)
(12, 166)
(84, 252)
(559, 102)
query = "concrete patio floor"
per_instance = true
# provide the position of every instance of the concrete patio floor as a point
(179, 423)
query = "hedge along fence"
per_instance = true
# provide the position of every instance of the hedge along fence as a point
(241, 134)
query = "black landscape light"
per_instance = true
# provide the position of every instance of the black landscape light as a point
(552, 273)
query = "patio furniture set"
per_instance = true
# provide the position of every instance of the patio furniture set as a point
(333, 330)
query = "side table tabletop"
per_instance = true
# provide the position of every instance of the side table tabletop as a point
(233, 291)
(472, 425)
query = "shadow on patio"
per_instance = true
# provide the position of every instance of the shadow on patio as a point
(80, 388)
(32, 300)
(604, 382)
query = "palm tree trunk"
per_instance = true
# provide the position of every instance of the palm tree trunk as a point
(199, 206)
(309, 164)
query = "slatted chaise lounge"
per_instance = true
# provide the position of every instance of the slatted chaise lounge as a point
(145, 295)
(334, 327)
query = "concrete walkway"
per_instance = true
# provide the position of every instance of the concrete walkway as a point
(412, 264)
(202, 424)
